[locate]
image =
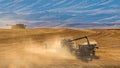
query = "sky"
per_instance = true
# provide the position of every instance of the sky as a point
(51, 12)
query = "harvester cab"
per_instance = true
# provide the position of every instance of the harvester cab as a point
(87, 49)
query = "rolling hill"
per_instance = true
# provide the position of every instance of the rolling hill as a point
(26, 48)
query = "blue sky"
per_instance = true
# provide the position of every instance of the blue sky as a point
(34, 12)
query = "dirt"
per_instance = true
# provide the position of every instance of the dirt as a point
(40, 48)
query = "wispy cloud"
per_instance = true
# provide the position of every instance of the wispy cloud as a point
(76, 11)
(59, 3)
(110, 18)
(31, 11)
(91, 5)
(106, 2)
(110, 11)
(29, 6)
(1, 0)
(12, 3)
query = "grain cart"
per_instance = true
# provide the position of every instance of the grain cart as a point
(81, 49)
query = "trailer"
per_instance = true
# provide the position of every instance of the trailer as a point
(82, 50)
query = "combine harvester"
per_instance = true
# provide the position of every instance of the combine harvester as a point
(17, 26)
(80, 50)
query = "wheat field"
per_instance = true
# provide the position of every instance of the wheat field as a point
(40, 48)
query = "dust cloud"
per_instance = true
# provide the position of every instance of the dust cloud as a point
(49, 48)
(30, 53)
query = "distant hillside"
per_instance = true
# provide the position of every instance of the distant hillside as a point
(41, 34)
(76, 25)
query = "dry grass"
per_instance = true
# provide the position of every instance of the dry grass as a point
(27, 48)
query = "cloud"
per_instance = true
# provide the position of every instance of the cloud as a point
(47, 17)
(10, 21)
(114, 6)
(59, 3)
(118, 21)
(1, 0)
(45, 5)
(12, 3)
(109, 11)
(107, 2)
(70, 2)
(76, 11)
(22, 11)
(91, 5)
(29, 6)
(2, 12)
(110, 18)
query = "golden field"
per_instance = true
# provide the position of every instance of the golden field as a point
(26, 48)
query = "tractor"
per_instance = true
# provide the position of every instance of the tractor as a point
(81, 50)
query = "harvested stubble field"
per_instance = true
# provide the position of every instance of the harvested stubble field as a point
(40, 48)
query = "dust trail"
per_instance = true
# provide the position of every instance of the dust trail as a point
(50, 48)
(30, 53)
